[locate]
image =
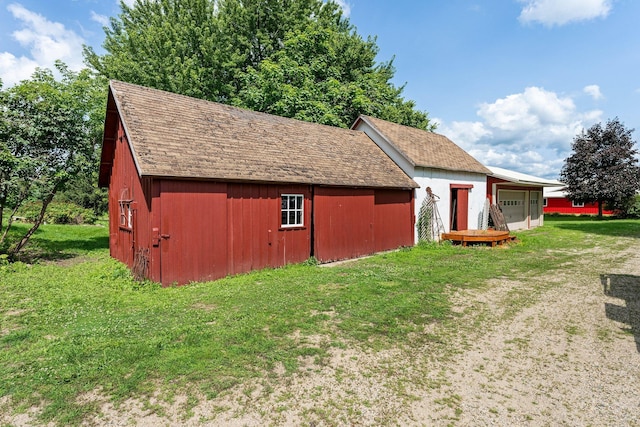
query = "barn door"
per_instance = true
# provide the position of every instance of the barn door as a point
(192, 235)
(460, 206)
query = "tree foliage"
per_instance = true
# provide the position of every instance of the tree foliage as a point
(603, 167)
(50, 131)
(293, 58)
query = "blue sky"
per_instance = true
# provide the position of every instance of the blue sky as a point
(510, 81)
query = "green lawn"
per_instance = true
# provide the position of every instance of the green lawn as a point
(72, 320)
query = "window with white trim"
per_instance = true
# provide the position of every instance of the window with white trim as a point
(545, 202)
(126, 214)
(292, 209)
(577, 204)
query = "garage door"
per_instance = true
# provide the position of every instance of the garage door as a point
(514, 208)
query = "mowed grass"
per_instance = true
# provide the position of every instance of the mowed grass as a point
(73, 321)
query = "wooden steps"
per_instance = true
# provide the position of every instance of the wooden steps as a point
(493, 237)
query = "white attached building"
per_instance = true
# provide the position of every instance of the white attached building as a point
(520, 196)
(433, 160)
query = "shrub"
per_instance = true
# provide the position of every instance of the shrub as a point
(58, 213)
(634, 209)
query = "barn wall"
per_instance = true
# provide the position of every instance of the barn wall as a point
(343, 223)
(440, 182)
(393, 219)
(125, 184)
(256, 238)
(208, 230)
(192, 234)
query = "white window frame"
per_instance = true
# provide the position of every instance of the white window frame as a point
(291, 215)
(126, 214)
(577, 204)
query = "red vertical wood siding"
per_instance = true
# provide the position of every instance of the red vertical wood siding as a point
(207, 230)
(256, 239)
(461, 213)
(343, 223)
(393, 219)
(155, 262)
(193, 231)
(124, 182)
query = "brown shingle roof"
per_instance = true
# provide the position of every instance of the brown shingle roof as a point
(426, 149)
(177, 136)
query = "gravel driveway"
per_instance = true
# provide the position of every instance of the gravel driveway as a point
(570, 357)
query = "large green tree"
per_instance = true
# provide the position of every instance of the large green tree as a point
(294, 58)
(603, 167)
(49, 135)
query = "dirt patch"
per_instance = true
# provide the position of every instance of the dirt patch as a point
(560, 360)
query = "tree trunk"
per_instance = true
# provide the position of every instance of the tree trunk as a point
(599, 209)
(18, 246)
(5, 233)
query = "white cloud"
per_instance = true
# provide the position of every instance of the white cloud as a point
(527, 110)
(129, 3)
(561, 12)
(464, 134)
(101, 19)
(14, 69)
(593, 91)
(530, 132)
(345, 6)
(46, 42)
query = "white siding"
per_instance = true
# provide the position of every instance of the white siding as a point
(439, 181)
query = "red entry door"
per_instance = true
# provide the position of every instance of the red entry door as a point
(460, 206)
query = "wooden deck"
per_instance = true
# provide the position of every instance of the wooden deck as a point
(494, 237)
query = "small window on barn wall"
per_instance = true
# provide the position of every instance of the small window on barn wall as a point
(125, 209)
(577, 205)
(544, 202)
(126, 214)
(292, 209)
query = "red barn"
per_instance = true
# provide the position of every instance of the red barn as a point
(200, 190)
(557, 201)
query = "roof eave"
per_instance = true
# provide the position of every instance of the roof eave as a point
(387, 140)
(405, 186)
(527, 183)
(127, 133)
(479, 172)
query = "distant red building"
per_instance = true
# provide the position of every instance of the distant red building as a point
(556, 201)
